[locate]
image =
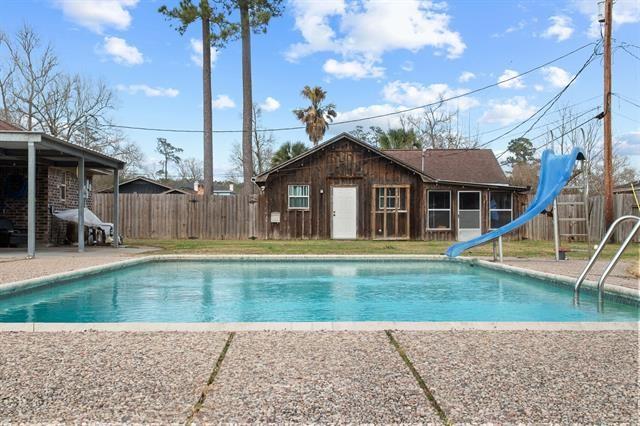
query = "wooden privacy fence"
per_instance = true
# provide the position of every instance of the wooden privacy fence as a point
(541, 227)
(180, 216)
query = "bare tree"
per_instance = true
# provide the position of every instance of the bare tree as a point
(66, 105)
(35, 68)
(261, 145)
(39, 97)
(190, 170)
(8, 101)
(568, 134)
(438, 128)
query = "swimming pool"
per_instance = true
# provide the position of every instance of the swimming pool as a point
(303, 291)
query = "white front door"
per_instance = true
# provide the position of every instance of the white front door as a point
(344, 201)
(469, 214)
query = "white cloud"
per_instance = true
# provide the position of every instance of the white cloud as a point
(556, 76)
(561, 28)
(628, 144)
(624, 12)
(538, 87)
(466, 76)
(407, 66)
(365, 30)
(270, 104)
(515, 83)
(414, 94)
(512, 29)
(352, 69)
(508, 111)
(312, 20)
(196, 52)
(368, 111)
(97, 15)
(223, 102)
(121, 52)
(134, 89)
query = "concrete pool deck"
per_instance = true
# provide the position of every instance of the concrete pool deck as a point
(423, 377)
(428, 373)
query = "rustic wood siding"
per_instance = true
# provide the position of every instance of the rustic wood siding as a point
(340, 164)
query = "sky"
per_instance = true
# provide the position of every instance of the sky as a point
(372, 57)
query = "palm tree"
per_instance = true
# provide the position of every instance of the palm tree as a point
(398, 139)
(287, 151)
(186, 13)
(317, 116)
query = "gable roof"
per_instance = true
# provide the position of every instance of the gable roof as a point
(455, 165)
(138, 178)
(265, 175)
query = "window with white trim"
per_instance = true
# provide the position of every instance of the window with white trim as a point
(298, 197)
(439, 210)
(63, 192)
(500, 208)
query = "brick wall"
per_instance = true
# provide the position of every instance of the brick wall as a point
(13, 203)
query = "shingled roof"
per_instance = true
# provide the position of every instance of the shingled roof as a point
(5, 125)
(476, 167)
(456, 165)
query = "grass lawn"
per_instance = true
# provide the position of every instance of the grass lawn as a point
(522, 249)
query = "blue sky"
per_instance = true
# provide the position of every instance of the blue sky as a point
(372, 57)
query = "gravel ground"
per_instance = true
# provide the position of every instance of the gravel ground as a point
(104, 377)
(572, 268)
(530, 377)
(328, 377)
(56, 260)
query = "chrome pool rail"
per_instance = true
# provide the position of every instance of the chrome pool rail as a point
(612, 263)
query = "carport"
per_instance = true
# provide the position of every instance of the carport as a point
(36, 150)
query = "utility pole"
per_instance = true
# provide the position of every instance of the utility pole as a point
(608, 150)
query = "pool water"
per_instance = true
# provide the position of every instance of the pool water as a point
(278, 291)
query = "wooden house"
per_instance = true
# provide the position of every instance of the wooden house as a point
(347, 189)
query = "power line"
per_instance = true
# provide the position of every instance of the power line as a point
(624, 46)
(627, 117)
(542, 125)
(628, 100)
(549, 142)
(356, 120)
(597, 117)
(544, 108)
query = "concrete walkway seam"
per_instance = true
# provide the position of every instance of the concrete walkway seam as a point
(212, 377)
(423, 385)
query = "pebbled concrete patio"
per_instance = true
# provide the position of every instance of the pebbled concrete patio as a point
(341, 377)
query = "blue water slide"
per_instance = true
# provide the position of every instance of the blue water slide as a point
(555, 172)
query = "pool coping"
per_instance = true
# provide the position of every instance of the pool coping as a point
(11, 287)
(17, 286)
(40, 327)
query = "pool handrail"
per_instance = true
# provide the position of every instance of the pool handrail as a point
(614, 260)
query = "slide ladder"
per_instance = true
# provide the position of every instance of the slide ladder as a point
(571, 211)
(614, 259)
